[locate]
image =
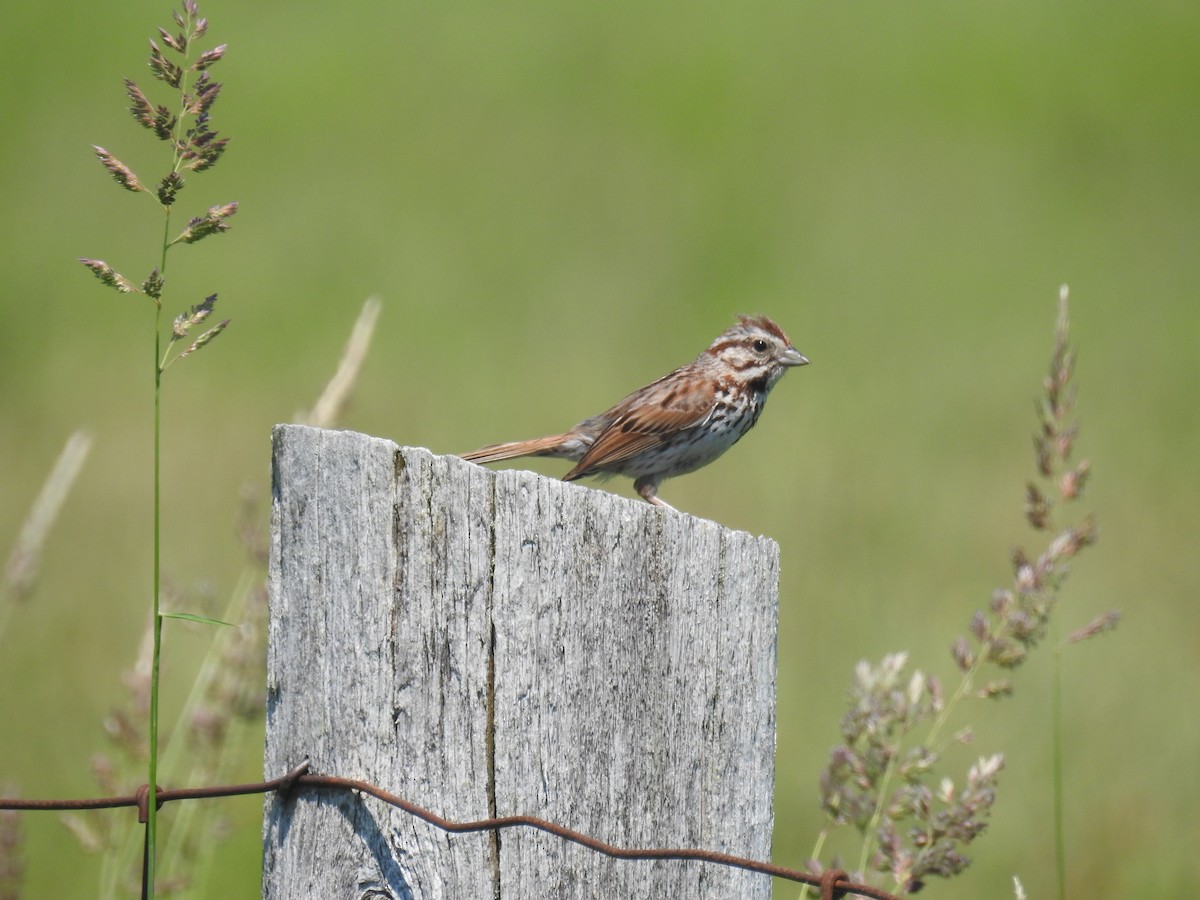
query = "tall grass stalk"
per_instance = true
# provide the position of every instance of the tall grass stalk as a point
(195, 147)
(914, 822)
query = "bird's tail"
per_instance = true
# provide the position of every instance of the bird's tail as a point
(552, 445)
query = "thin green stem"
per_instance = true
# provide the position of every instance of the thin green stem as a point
(1060, 848)
(964, 686)
(873, 825)
(816, 854)
(152, 780)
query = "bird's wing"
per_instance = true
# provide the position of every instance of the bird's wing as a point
(645, 419)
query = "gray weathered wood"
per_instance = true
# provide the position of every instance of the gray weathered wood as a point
(501, 643)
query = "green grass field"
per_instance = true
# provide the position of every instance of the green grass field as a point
(558, 203)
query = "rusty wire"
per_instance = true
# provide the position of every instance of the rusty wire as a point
(833, 883)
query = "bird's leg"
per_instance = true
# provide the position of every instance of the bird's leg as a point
(647, 488)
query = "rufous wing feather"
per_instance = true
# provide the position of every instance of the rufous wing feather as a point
(642, 421)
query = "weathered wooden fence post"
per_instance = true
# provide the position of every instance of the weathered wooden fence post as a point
(501, 643)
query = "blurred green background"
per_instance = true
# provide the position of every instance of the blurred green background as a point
(558, 203)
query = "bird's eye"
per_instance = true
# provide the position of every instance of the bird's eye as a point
(760, 346)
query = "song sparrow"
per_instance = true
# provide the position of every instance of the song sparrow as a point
(679, 423)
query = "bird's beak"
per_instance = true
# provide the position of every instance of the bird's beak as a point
(793, 357)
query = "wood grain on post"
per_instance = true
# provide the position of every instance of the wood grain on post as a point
(499, 643)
